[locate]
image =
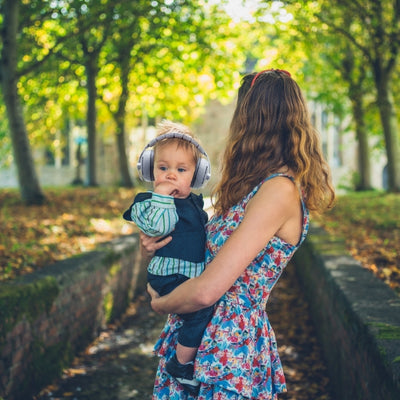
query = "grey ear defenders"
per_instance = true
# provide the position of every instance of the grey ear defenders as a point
(145, 164)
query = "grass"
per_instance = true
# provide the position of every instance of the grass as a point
(75, 220)
(370, 224)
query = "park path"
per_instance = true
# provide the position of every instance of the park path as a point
(119, 364)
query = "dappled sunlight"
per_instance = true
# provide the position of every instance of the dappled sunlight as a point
(120, 359)
(71, 222)
(369, 224)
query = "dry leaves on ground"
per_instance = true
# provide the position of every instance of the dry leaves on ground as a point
(370, 224)
(73, 220)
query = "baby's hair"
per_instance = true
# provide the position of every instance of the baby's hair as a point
(166, 126)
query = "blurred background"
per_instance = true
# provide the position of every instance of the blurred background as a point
(84, 82)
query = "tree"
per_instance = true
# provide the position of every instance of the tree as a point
(9, 75)
(89, 25)
(374, 30)
(354, 73)
(160, 51)
(361, 41)
(122, 54)
(167, 57)
(338, 58)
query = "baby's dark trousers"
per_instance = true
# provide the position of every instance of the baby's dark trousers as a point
(194, 323)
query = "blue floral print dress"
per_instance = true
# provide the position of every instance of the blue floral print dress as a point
(238, 357)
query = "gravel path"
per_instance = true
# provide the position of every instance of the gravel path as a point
(119, 364)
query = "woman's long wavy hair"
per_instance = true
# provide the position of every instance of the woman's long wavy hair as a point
(271, 131)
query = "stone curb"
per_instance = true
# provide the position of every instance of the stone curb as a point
(48, 316)
(357, 318)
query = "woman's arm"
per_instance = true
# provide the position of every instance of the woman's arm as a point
(274, 206)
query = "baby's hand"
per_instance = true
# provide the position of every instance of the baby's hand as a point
(165, 188)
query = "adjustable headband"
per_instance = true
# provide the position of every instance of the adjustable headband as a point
(178, 135)
(268, 70)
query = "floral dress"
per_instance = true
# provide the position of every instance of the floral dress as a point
(238, 357)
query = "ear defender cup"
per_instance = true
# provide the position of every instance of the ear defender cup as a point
(202, 173)
(145, 163)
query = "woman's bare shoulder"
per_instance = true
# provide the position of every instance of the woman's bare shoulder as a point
(281, 186)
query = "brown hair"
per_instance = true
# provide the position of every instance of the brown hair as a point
(170, 127)
(271, 130)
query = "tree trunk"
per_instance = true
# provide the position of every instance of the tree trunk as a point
(126, 180)
(388, 117)
(355, 75)
(29, 186)
(78, 180)
(91, 75)
(119, 118)
(364, 164)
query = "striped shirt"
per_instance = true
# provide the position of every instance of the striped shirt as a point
(157, 215)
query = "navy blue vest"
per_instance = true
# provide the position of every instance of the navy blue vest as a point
(189, 237)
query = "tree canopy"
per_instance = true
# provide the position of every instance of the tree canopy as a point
(111, 62)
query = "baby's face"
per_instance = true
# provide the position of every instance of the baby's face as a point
(173, 170)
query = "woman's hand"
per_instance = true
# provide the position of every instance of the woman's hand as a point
(149, 245)
(154, 296)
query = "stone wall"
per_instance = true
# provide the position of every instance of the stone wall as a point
(48, 316)
(357, 318)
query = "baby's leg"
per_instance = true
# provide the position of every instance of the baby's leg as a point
(185, 354)
(181, 367)
(181, 364)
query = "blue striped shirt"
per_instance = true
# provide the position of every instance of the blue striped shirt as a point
(157, 215)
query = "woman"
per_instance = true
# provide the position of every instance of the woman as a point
(273, 174)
